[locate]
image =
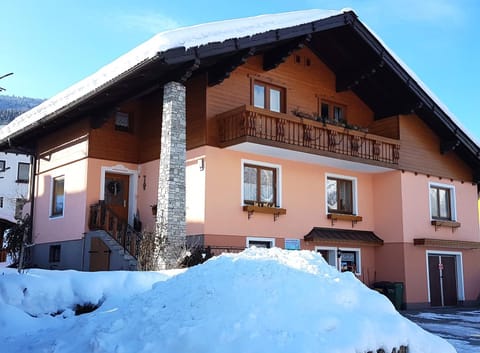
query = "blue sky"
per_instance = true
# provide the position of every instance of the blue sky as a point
(51, 44)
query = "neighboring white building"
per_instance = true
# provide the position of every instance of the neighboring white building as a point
(14, 185)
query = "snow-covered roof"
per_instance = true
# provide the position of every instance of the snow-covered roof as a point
(187, 37)
(219, 32)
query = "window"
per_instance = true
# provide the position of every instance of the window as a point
(2, 166)
(260, 185)
(54, 253)
(23, 174)
(329, 255)
(344, 259)
(123, 121)
(58, 196)
(266, 96)
(350, 260)
(332, 111)
(341, 194)
(19, 203)
(442, 202)
(260, 242)
(1, 202)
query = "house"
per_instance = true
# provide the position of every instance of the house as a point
(14, 191)
(297, 130)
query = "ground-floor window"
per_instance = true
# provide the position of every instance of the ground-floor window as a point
(344, 259)
(54, 253)
(260, 242)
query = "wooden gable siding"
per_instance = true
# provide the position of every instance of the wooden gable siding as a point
(304, 84)
(387, 127)
(150, 127)
(63, 137)
(109, 143)
(196, 92)
(420, 152)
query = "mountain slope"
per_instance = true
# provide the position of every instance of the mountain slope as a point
(13, 106)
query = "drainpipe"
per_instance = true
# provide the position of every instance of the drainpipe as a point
(27, 236)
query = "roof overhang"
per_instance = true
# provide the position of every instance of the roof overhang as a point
(330, 235)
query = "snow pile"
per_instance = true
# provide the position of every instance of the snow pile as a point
(257, 301)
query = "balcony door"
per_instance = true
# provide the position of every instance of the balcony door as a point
(117, 193)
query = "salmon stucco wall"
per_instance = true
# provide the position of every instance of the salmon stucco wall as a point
(302, 188)
(71, 225)
(416, 209)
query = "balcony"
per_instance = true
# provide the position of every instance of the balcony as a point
(250, 124)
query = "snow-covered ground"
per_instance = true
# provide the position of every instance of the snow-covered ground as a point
(256, 301)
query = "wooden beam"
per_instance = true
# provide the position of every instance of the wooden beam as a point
(348, 80)
(275, 57)
(447, 146)
(220, 72)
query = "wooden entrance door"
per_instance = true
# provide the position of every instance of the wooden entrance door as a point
(99, 255)
(442, 280)
(116, 194)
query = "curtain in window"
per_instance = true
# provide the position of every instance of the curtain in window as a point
(250, 184)
(267, 187)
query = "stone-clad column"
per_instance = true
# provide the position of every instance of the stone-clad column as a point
(171, 224)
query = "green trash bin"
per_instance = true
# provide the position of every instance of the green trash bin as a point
(398, 295)
(393, 291)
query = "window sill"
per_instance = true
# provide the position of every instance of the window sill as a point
(451, 224)
(344, 217)
(276, 211)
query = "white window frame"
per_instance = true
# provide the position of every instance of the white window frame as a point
(329, 248)
(354, 191)
(358, 252)
(453, 204)
(262, 164)
(52, 181)
(270, 240)
(459, 264)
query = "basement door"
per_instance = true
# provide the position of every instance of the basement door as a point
(442, 271)
(116, 194)
(99, 255)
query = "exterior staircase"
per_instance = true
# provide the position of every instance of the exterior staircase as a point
(122, 240)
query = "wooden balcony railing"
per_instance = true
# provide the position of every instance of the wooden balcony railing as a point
(103, 218)
(249, 124)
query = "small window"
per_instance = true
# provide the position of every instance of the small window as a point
(349, 260)
(442, 202)
(329, 255)
(343, 259)
(54, 253)
(260, 242)
(2, 166)
(259, 185)
(1, 202)
(23, 174)
(332, 112)
(19, 203)
(123, 121)
(266, 96)
(58, 196)
(341, 195)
